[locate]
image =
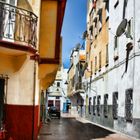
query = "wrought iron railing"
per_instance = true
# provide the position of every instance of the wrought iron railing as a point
(17, 25)
(79, 86)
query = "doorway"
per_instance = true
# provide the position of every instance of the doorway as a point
(2, 85)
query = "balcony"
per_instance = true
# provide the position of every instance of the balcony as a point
(79, 88)
(17, 29)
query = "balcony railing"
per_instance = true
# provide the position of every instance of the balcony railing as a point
(17, 25)
(79, 86)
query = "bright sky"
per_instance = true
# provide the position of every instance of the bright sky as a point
(74, 25)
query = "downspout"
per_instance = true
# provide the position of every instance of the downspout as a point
(34, 85)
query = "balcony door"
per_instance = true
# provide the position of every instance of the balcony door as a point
(7, 23)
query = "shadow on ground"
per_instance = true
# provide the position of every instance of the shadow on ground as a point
(71, 129)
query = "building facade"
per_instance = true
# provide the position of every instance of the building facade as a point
(57, 92)
(75, 73)
(111, 91)
(30, 57)
(112, 56)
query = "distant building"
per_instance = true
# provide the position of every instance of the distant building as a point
(75, 73)
(57, 92)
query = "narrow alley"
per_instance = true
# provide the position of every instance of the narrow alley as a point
(70, 129)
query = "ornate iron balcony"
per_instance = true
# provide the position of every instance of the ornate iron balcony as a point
(17, 25)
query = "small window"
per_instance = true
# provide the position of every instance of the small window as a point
(100, 60)
(129, 105)
(58, 84)
(94, 105)
(106, 105)
(98, 105)
(107, 54)
(100, 19)
(95, 64)
(57, 97)
(115, 105)
(115, 42)
(129, 29)
(89, 107)
(116, 4)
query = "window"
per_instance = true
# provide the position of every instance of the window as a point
(100, 19)
(98, 105)
(129, 29)
(107, 54)
(89, 107)
(100, 59)
(116, 4)
(57, 97)
(94, 105)
(106, 105)
(95, 27)
(129, 104)
(91, 31)
(115, 105)
(95, 64)
(116, 48)
(106, 5)
(2, 85)
(115, 42)
(58, 84)
(107, 9)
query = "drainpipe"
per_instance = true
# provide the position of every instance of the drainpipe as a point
(34, 86)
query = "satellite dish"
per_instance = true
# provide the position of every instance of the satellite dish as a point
(121, 28)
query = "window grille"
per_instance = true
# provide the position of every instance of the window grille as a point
(106, 105)
(129, 105)
(98, 105)
(115, 105)
(89, 107)
(94, 105)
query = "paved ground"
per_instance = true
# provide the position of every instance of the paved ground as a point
(70, 129)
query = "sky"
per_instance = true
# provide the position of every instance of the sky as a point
(74, 25)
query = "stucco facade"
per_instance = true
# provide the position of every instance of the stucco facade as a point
(112, 94)
(29, 62)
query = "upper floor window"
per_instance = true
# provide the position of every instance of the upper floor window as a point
(95, 63)
(100, 18)
(107, 8)
(116, 4)
(107, 54)
(100, 59)
(58, 84)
